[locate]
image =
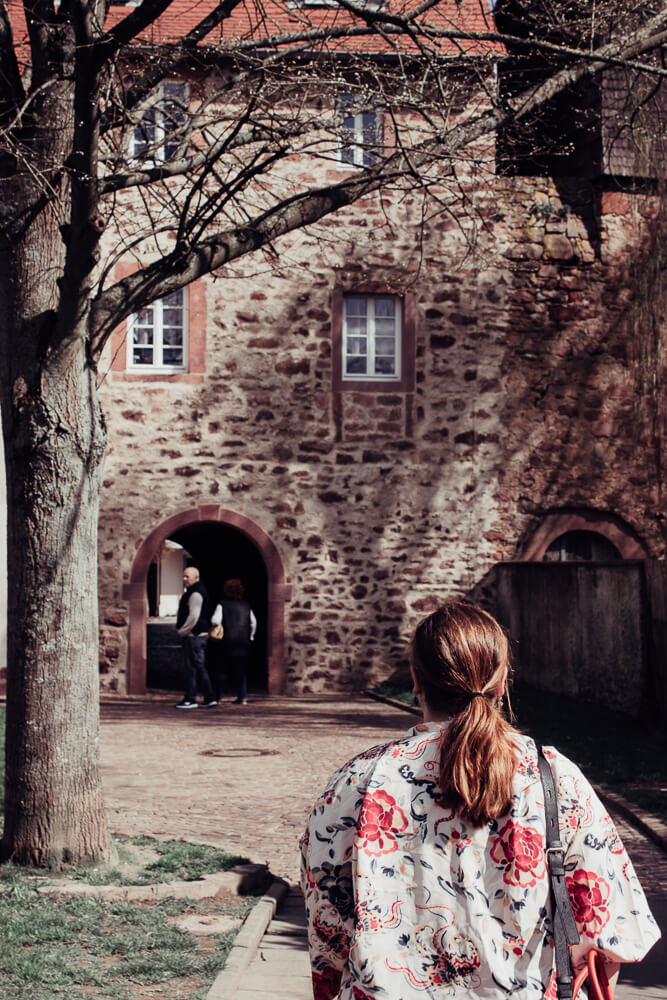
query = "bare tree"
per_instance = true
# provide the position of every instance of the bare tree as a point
(104, 156)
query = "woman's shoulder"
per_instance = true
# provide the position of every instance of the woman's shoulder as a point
(527, 757)
(387, 756)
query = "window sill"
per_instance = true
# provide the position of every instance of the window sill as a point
(371, 385)
(193, 378)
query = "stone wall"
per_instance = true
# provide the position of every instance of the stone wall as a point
(531, 394)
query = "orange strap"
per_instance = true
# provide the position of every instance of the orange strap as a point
(594, 976)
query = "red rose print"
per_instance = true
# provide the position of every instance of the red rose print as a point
(326, 983)
(359, 995)
(589, 895)
(520, 851)
(380, 820)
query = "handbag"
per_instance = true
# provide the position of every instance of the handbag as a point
(216, 631)
(593, 975)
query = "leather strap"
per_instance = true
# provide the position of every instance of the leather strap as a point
(564, 924)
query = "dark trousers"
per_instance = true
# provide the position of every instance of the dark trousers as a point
(238, 662)
(216, 667)
(194, 668)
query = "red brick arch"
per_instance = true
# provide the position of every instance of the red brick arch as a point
(557, 523)
(279, 591)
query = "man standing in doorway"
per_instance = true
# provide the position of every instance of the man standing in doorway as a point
(192, 625)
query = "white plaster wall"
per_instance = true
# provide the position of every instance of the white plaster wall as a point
(172, 564)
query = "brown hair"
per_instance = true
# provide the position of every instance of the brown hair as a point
(232, 590)
(459, 654)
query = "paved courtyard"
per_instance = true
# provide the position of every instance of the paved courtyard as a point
(242, 777)
(245, 777)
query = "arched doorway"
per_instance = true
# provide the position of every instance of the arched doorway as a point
(224, 544)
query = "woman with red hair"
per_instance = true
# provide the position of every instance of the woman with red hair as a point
(424, 869)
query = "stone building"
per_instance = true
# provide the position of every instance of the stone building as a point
(397, 404)
(523, 408)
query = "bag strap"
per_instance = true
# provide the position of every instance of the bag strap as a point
(564, 924)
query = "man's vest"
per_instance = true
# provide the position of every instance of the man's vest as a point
(183, 608)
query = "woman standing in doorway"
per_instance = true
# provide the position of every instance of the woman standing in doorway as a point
(239, 627)
(424, 869)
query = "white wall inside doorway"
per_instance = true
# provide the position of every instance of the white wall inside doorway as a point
(171, 563)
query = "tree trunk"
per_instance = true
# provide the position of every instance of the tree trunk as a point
(54, 812)
(54, 443)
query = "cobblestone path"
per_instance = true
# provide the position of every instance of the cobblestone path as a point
(242, 777)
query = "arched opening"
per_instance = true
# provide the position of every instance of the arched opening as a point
(576, 528)
(222, 544)
(581, 546)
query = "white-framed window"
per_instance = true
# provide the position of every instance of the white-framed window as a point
(157, 335)
(159, 136)
(371, 340)
(360, 133)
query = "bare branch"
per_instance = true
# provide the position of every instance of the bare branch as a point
(182, 267)
(168, 57)
(203, 159)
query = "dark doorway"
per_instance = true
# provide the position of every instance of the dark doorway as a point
(220, 552)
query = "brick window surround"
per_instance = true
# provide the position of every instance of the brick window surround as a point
(406, 382)
(195, 333)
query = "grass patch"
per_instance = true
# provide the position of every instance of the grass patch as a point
(75, 948)
(180, 860)
(397, 692)
(176, 860)
(612, 750)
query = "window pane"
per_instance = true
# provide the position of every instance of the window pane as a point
(173, 115)
(385, 307)
(172, 356)
(355, 366)
(174, 298)
(356, 326)
(172, 338)
(384, 327)
(144, 133)
(385, 346)
(355, 306)
(142, 356)
(356, 345)
(385, 366)
(144, 317)
(172, 317)
(142, 335)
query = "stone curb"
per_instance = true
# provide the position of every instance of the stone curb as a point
(412, 709)
(241, 879)
(247, 942)
(645, 822)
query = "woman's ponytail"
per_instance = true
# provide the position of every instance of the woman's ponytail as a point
(460, 660)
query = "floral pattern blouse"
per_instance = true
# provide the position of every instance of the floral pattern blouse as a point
(404, 899)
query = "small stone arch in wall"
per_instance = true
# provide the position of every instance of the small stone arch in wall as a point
(558, 523)
(279, 591)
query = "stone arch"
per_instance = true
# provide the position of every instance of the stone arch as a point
(279, 591)
(558, 523)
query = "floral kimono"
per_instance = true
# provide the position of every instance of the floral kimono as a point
(406, 900)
